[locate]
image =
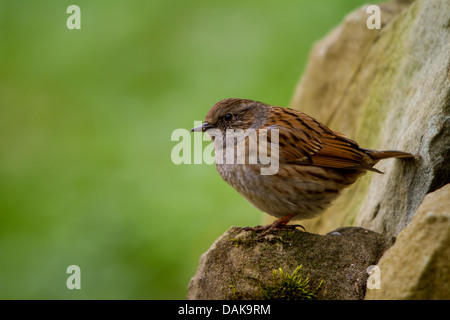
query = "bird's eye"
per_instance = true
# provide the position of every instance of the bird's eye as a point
(228, 117)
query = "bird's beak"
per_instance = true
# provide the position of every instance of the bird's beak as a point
(205, 126)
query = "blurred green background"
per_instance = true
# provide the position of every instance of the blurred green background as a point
(86, 118)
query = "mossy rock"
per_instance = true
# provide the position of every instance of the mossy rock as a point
(239, 265)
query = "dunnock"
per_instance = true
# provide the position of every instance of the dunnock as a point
(314, 163)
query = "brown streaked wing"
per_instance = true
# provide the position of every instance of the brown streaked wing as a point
(305, 141)
(298, 134)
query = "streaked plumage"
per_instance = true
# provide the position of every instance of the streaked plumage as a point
(315, 163)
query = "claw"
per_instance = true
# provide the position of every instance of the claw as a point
(278, 224)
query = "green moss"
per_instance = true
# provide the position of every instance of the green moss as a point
(287, 286)
(234, 291)
(236, 242)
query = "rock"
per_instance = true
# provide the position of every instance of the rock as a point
(417, 266)
(333, 63)
(386, 89)
(239, 266)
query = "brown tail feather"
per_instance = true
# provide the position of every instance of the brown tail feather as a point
(378, 155)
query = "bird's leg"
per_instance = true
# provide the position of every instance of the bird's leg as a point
(281, 223)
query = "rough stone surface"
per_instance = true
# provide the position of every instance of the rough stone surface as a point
(238, 265)
(386, 89)
(417, 266)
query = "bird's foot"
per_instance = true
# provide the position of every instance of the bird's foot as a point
(280, 224)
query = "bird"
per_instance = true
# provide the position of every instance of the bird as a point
(314, 163)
